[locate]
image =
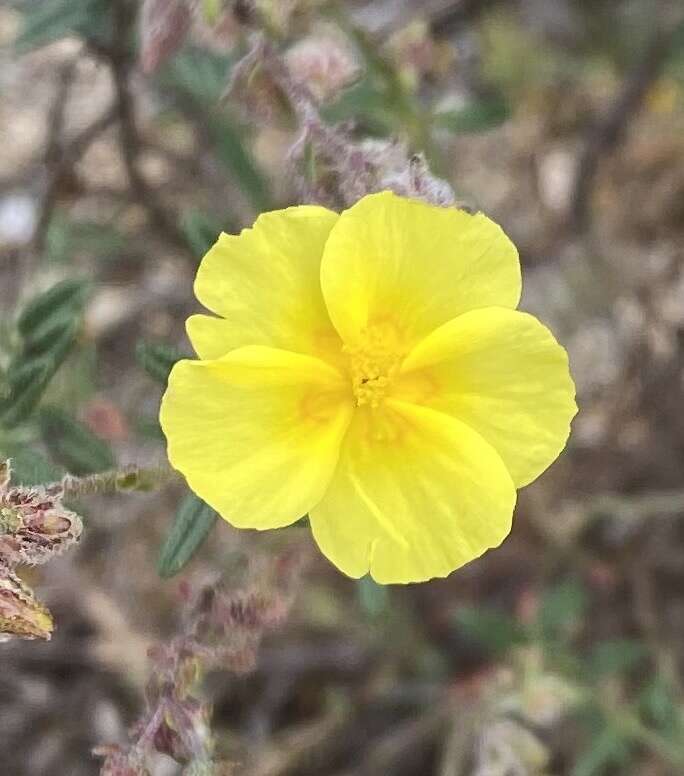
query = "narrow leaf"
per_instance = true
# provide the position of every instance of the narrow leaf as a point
(475, 117)
(157, 359)
(194, 520)
(63, 300)
(73, 444)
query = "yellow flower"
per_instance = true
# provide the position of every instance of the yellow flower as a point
(369, 369)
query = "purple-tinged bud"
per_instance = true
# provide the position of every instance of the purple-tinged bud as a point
(34, 524)
(164, 25)
(325, 62)
(120, 762)
(21, 615)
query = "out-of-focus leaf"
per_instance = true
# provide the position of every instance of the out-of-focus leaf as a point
(55, 336)
(366, 104)
(615, 656)
(232, 152)
(50, 20)
(561, 608)
(610, 748)
(659, 706)
(201, 77)
(66, 238)
(73, 444)
(157, 359)
(193, 522)
(32, 468)
(373, 598)
(475, 117)
(28, 377)
(198, 74)
(63, 301)
(201, 231)
(48, 326)
(494, 630)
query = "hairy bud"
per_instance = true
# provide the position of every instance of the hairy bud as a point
(325, 62)
(34, 524)
(21, 615)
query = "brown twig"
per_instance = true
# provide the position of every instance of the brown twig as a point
(120, 61)
(611, 129)
(223, 628)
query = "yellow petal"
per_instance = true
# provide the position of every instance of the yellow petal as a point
(415, 266)
(415, 495)
(503, 373)
(256, 433)
(265, 283)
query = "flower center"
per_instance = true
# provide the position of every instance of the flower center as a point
(373, 363)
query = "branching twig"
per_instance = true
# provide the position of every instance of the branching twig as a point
(610, 130)
(223, 628)
(120, 62)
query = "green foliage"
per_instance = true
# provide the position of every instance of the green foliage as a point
(477, 116)
(47, 329)
(66, 238)
(199, 78)
(609, 748)
(72, 444)
(496, 631)
(51, 20)
(373, 598)
(193, 522)
(157, 359)
(561, 609)
(32, 468)
(201, 231)
(658, 705)
(616, 656)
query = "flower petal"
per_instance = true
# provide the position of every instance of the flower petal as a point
(256, 433)
(416, 265)
(415, 495)
(503, 373)
(266, 283)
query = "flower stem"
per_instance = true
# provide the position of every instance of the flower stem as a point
(129, 478)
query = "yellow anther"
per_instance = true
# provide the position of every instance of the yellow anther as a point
(373, 363)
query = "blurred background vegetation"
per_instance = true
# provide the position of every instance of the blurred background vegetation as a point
(561, 652)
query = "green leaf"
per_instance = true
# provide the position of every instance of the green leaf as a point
(157, 359)
(199, 74)
(194, 520)
(201, 78)
(73, 444)
(51, 20)
(201, 231)
(373, 598)
(561, 609)
(609, 748)
(60, 303)
(55, 337)
(27, 379)
(475, 117)
(232, 152)
(32, 468)
(659, 706)
(615, 657)
(494, 630)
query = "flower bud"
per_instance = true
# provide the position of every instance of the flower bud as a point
(21, 615)
(325, 62)
(34, 524)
